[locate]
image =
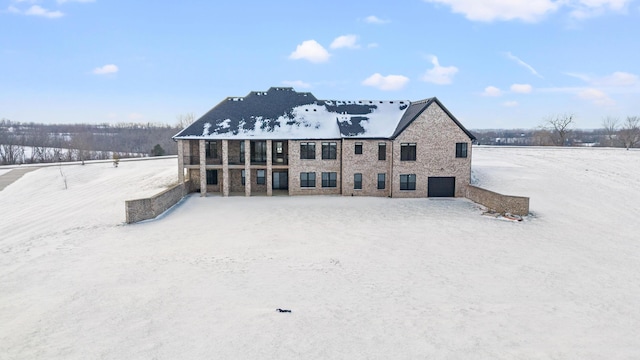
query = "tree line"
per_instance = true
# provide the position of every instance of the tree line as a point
(37, 143)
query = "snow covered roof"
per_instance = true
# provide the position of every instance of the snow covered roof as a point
(283, 113)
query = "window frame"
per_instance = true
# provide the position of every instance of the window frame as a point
(408, 152)
(307, 150)
(212, 176)
(307, 179)
(357, 183)
(211, 149)
(382, 151)
(329, 150)
(358, 148)
(383, 181)
(406, 183)
(462, 150)
(329, 179)
(261, 180)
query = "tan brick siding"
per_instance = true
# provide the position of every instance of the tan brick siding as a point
(318, 166)
(366, 164)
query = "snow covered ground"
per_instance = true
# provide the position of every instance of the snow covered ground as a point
(365, 278)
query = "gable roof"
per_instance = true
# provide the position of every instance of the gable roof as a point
(283, 113)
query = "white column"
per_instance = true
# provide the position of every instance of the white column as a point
(203, 169)
(225, 167)
(180, 161)
(247, 167)
(269, 168)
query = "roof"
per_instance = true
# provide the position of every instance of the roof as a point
(283, 113)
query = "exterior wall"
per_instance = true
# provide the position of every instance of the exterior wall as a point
(435, 135)
(516, 205)
(235, 180)
(366, 164)
(149, 208)
(317, 165)
(234, 151)
(215, 188)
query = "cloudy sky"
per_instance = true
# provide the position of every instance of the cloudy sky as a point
(493, 63)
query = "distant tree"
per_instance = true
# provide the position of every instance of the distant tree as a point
(185, 120)
(157, 151)
(541, 137)
(560, 127)
(630, 132)
(610, 126)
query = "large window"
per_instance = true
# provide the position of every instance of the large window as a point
(242, 152)
(308, 150)
(408, 182)
(408, 152)
(357, 181)
(461, 150)
(329, 150)
(261, 177)
(307, 179)
(358, 149)
(212, 177)
(243, 177)
(211, 149)
(329, 179)
(259, 151)
(382, 181)
(382, 151)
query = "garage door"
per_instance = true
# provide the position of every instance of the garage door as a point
(441, 186)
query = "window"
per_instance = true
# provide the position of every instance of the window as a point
(242, 175)
(358, 148)
(408, 182)
(212, 177)
(307, 179)
(329, 179)
(408, 152)
(259, 151)
(461, 150)
(382, 151)
(329, 150)
(307, 150)
(382, 181)
(211, 149)
(261, 178)
(357, 181)
(242, 153)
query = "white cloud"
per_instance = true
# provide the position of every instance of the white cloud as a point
(521, 88)
(491, 91)
(312, 51)
(441, 75)
(596, 96)
(106, 69)
(36, 10)
(490, 10)
(372, 19)
(510, 104)
(523, 64)
(13, 9)
(389, 82)
(616, 79)
(78, 1)
(345, 41)
(299, 84)
(583, 9)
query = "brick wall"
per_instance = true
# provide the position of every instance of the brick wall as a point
(517, 205)
(149, 208)
(366, 164)
(317, 165)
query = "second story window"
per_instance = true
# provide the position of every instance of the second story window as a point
(329, 150)
(211, 150)
(358, 149)
(408, 152)
(461, 150)
(382, 151)
(307, 150)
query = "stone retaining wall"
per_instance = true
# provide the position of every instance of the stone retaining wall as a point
(517, 205)
(149, 208)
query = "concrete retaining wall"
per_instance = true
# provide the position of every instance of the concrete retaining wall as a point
(517, 205)
(149, 208)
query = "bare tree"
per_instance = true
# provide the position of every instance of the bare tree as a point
(559, 125)
(610, 126)
(630, 131)
(185, 120)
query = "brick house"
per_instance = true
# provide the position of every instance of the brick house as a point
(289, 142)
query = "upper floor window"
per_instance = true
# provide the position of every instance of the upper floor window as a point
(259, 151)
(329, 150)
(408, 182)
(358, 149)
(242, 152)
(307, 150)
(307, 179)
(408, 152)
(382, 151)
(461, 150)
(211, 149)
(329, 179)
(357, 181)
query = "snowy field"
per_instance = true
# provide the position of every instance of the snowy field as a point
(365, 278)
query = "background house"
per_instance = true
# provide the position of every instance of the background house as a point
(287, 141)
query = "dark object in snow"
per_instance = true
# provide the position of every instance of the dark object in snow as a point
(283, 310)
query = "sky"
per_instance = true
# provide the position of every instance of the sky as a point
(492, 63)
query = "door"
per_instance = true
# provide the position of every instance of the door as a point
(280, 180)
(440, 186)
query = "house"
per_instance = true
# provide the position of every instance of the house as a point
(283, 141)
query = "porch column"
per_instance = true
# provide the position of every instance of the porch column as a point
(180, 161)
(203, 169)
(225, 167)
(247, 168)
(269, 168)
